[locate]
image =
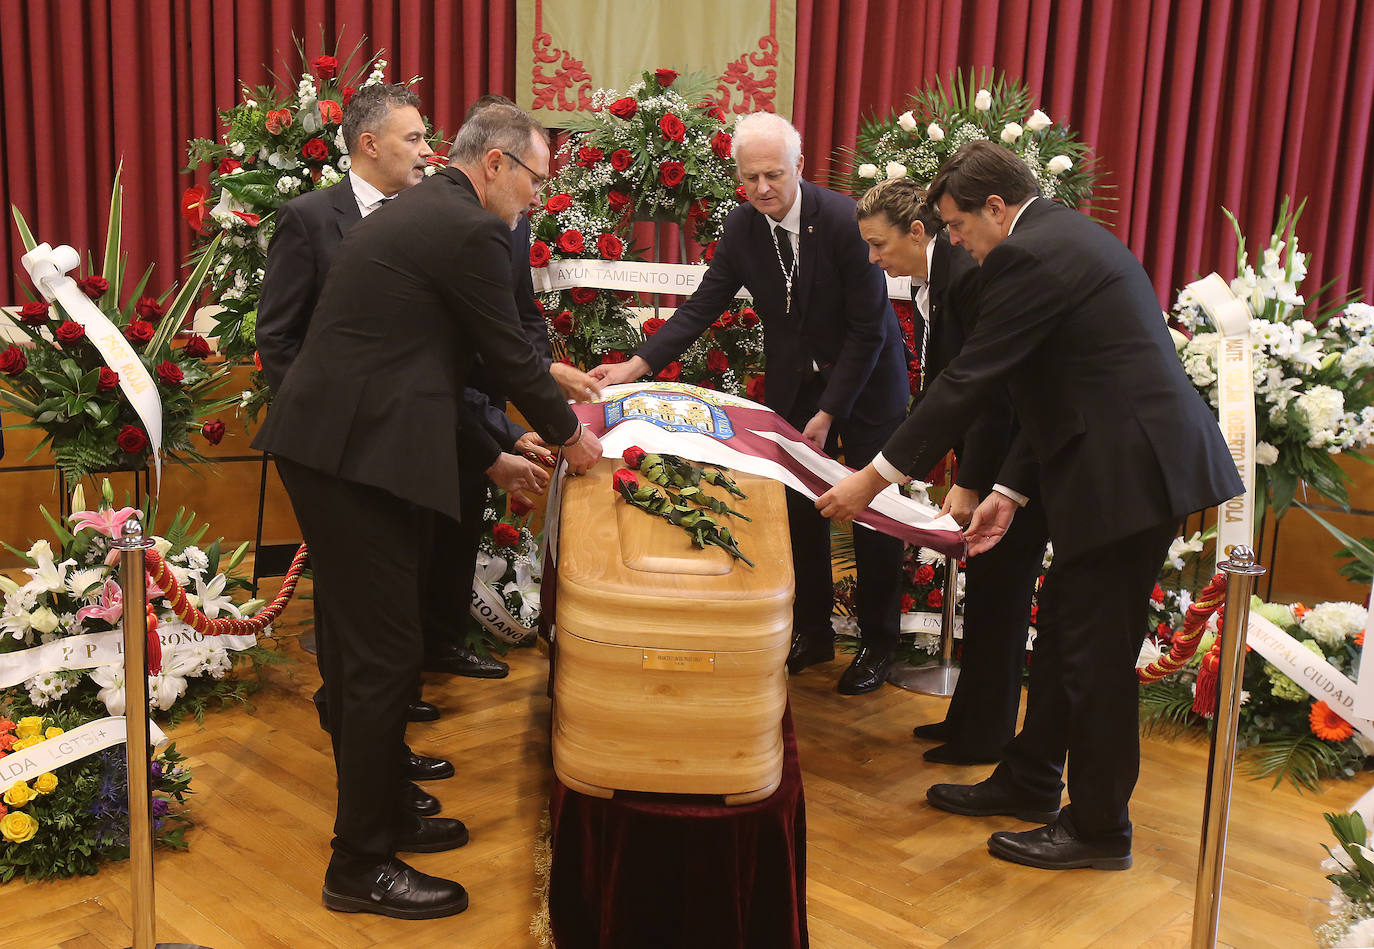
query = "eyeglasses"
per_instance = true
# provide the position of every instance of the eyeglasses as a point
(539, 180)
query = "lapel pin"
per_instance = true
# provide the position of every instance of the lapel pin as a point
(810, 229)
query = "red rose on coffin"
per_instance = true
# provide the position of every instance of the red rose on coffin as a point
(624, 478)
(571, 242)
(540, 255)
(672, 128)
(753, 389)
(652, 325)
(908, 602)
(665, 77)
(131, 439)
(139, 331)
(717, 361)
(564, 323)
(227, 165)
(276, 120)
(671, 173)
(519, 507)
(196, 347)
(70, 332)
(622, 158)
(108, 379)
(505, 535)
(748, 318)
(740, 194)
(213, 431)
(925, 573)
(582, 295)
(247, 217)
(589, 155)
(149, 309)
(348, 92)
(623, 108)
(935, 599)
(325, 67)
(558, 203)
(617, 200)
(720, 144)
(169, 373)
(634, 456)
(609, 246)
(614, 357)
(671, 372)
(193, 205)
(34, 313)
(330, 111)
(93, 286)
(13, 361)
(314, 150)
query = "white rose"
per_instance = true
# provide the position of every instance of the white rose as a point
(867, 170)
(907, 121)
(1265, 453)
(983, 100)
(1058, 164)
(896, 169)
(935, 133)
(1038, 121)
(1011, 132)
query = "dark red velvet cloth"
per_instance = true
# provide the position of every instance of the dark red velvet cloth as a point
(677, 871)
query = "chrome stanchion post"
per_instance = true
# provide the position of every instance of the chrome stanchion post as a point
(1241, 572)
(940, 678)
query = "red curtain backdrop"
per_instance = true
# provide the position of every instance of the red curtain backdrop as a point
(1192, 106)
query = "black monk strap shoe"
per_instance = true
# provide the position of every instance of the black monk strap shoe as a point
(1054, 847)
(806, 652)
(393, 889)
(956, 754)
(433, 834)
(987, 800)
(419, 802)
(932, 731)
(457, 659)
(866, 673)
(425, 768)
(422, 712)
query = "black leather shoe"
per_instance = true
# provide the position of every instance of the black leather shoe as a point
(986, 800)
(433, 834)
(425, 768)
(393, 889)
(460, 660)
(955, 754)
(1054, 847)
(419, 801)
(932, 731)
(422, 712)
(866, 673)
(806, 652)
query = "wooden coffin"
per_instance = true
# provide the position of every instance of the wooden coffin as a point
(670, 671)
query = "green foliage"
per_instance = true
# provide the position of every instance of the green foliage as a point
(1304, 760)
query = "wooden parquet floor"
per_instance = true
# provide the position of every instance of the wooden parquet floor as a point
(884, 868)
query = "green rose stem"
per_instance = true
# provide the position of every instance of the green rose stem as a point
(705, 530)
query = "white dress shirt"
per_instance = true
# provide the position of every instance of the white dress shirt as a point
(369, 198)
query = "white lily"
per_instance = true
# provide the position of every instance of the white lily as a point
(212, 597)
(111, 681)
(490, 567)
(51, 577)
(527, 585)
(164, 689)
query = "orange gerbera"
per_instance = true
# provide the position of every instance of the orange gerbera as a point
(1327, 725)
(1359, 639)
(1299, 611)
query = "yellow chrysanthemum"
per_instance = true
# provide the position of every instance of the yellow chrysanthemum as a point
(29, 727)
(45, 783)
(17, 827)
(19, 794)
(53, 731)
(23, 743)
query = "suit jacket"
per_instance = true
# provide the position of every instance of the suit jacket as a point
(307, 236)
(531, 318)
(841, 319)
(1112, 434)
(375, 394)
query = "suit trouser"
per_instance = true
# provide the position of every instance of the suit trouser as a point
(997, 605)
(451, 564)
(1083, 701)
(365, 547)
(878, 557)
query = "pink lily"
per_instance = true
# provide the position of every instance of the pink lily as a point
(106, 521)
(110, 608)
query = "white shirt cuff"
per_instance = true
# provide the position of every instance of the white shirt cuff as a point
(1020, 499)
(884, 468)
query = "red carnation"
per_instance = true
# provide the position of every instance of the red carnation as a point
(1162, 630)
(325, 67)
(623, 108)
(571, 242)
(740, 193)
(505, 535)
(226, 165)
(1157, 594)
(196, 347)
(213, 431)
(617, 200)
(13, 361)
(149, 309)
(108, 379)
(613, 358)
(139, 331)
(622, 158)
(34, 313)
(624, 478)
(540, 255)
(935, 599)
(665, 77)
(247, 217)
(634, 456)
(925, 573)
(671, 173)
(314, 150)
(169, 373)
(563, 322)
(720, 144)
(753, 389)
(70, 332)
(748, 318)
(558, 203)
(908, 602)
(671, 372)
(609, 246)
(348, 92)
(131, 439)
(582, 295)
(588, 155)
(276, 120)
(717, 361)
(330, 112)
(193, 205)
(93, 286)
(652, 325)
(672, 128)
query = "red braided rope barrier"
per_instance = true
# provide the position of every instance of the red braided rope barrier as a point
(160, 574)
(1186, 642)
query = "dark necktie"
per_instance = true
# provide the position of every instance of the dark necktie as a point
(785, 248)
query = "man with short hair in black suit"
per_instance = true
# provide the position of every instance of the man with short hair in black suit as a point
(835, 369)
(1116, 444)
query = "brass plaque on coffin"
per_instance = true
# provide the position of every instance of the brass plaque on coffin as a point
(674, 660)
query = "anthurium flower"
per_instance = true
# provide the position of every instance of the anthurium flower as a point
(193, 207)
